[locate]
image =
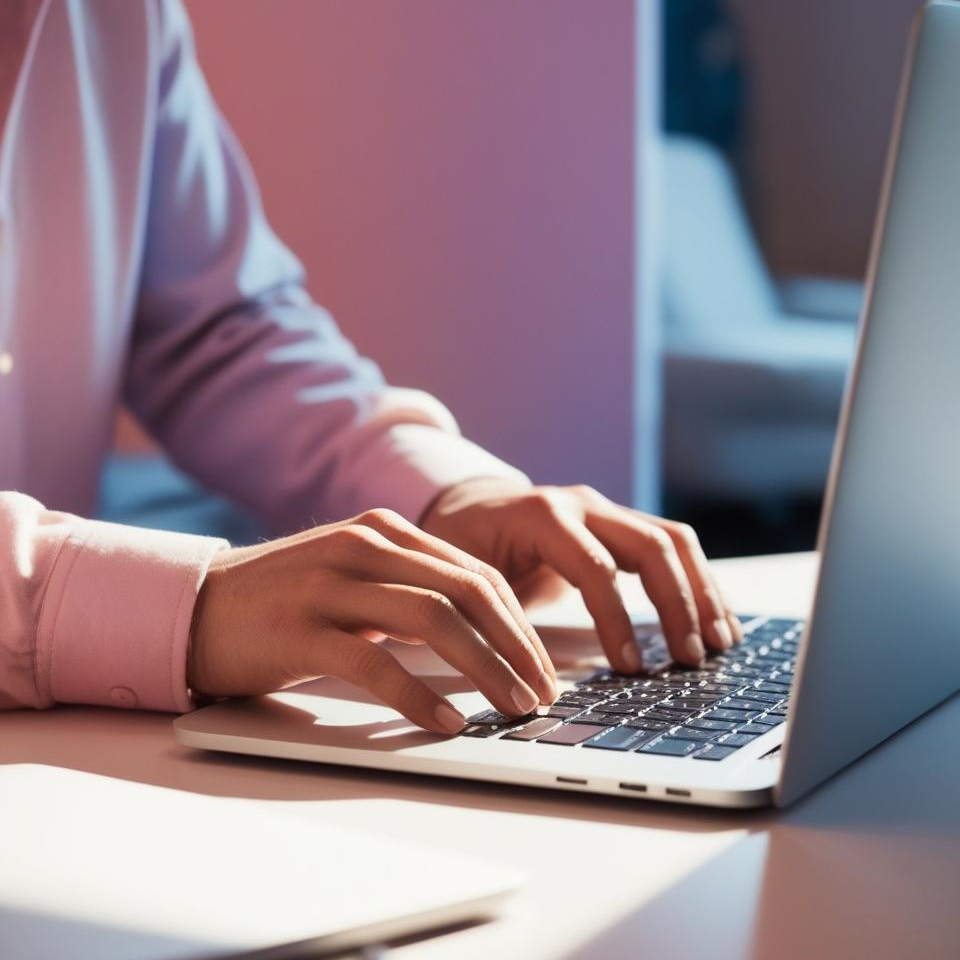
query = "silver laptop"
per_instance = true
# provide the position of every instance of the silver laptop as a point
(797, 702)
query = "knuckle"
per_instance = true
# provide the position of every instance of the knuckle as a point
(713, 597)
(686, 604)
(468, 563)
(496, 579)
(586, 493)
(352, 540)
(492, 668)
(491, 577)
(599, 566)
(543, 501)
(686, 534)
(660, 541)
(358, 661)
(476, 588)
(434, 609)
(381, 518)
(409, 692)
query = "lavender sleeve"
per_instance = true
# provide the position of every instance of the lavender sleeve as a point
(246, 382)
(249, 385)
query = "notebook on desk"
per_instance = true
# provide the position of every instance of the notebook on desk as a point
(101, 869)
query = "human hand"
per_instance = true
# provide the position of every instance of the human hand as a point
(317, 604)
(539, 537)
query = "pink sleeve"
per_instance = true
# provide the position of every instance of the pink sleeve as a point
(93, 612)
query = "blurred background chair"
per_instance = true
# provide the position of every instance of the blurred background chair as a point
(754, 364)
(752, 387)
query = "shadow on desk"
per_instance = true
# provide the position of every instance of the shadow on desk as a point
(140, 747)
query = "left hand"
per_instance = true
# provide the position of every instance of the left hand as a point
(538, 537)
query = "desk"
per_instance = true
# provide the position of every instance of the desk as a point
(867, 866)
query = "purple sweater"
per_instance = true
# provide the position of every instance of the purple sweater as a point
(136, 265)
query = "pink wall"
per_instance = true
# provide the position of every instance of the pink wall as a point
(457, 177)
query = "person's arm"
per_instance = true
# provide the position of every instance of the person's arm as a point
(97, 613)
(252, 388)
(93, 612)
(246, 382)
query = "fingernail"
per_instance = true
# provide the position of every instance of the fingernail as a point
(693, 647)
(546, 686)
(631, 656)
(723, 631)
(524, 698)
(449, 719)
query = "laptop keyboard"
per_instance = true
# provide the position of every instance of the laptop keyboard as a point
(706, 714)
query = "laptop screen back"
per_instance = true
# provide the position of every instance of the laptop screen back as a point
(883, 643)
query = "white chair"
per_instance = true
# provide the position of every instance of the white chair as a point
(752, 389)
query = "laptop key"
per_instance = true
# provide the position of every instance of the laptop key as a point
(482, 730)
(686, 704)
(616, 707)
(659, 714)
(762, 697)
(705, 723)
(754, 728)
(692, 733)
(736, 739)
(645, 723)
(722, 714)
(770, 720)
(568, 734)
(563, 712)
(671, 748)
(738, 703)
(643, 698)
(580, 699)
(491, 716)
(620, 738)
(773, 686)
(532, 730)
(713, 751)
(604, 719)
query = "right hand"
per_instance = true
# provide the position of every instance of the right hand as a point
(317, 603)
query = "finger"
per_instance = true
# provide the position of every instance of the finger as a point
(565, 544)
(371, 557)
(372, 668)
(416, 613)
(710, 609)
(645, 549)
(721, 628)
(405, 534)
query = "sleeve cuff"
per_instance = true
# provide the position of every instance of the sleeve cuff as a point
(115, 622)
(413, 463)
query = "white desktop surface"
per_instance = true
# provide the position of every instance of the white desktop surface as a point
(867, 866)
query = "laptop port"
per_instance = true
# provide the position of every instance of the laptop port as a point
(638, 787)
(673, 792)
(581, 783)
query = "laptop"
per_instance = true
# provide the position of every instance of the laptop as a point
(799, 700)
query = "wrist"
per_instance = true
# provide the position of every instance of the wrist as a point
(468, 493)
